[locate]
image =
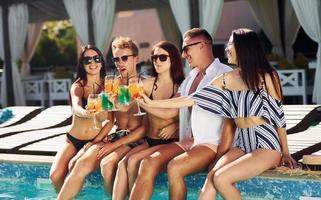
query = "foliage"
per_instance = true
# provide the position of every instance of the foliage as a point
(57, 45)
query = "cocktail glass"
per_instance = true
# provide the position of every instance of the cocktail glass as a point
(123, 95)
(136, 86)
(94, 105)
(105, 102)
(109, 82)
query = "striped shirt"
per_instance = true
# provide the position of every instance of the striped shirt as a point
(244, 103)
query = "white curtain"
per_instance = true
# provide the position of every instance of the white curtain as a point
(267, 16)
(1, 36)
(77, 11)
(33, 37)
(181, 11)
(1, 50)
(18, 25)
(169, 26)
(291, 29)
(103, 13)
(210, 14)
(308, 13)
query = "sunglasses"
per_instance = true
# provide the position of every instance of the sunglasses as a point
(88, 59)
(185, 48)
(161, 57)
(122, 58)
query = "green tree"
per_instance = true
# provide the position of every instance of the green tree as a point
(57, 46)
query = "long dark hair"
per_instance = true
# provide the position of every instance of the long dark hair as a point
(176, 69)
(81, 72)
(252, 61)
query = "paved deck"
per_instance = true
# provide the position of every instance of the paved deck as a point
(44, 134)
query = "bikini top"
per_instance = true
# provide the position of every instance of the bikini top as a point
(240, 104)
(155, 88)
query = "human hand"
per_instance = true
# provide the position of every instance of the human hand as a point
(164, 134)
(87, 145)
(124, 108)
(287, 160)
(90, 113)
(105, 150)
(147, 101)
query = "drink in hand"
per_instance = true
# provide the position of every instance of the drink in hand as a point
(123, 95)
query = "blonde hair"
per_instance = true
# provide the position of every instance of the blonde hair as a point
(124, 43)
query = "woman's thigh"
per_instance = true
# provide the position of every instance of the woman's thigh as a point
(233, 154)
(115, 156)
(136, 150)
(89, 157)
(249, 165)
(163, 155)
(191, 161)
(145, 152)
(62, 158)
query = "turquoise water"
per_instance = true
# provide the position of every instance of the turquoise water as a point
(30, 181)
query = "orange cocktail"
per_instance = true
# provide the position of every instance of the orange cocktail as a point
(133, 90)
(109, 81)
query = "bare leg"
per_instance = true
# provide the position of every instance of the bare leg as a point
(72, 162)
(186, 164)
(59, 166)
(245, 167)
(134, 162)
(208, 191)
(108, 166)
(84, 165)
(120, 189)
(150, 167)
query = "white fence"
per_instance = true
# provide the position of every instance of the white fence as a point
(47, 90)
(293, 83)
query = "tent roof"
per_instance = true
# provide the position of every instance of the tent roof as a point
(50, 10)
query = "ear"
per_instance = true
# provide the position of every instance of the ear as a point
(202, 45)
(136, 59)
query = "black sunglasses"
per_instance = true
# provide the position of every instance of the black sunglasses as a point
(185, 48)
(161, 57)
(88, 59)
(123, 58)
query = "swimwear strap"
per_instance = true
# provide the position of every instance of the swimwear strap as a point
(112, 137)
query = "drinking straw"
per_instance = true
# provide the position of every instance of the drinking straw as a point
(127, 79)
(114, 74)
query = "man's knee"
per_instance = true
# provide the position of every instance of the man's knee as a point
(122, 164)
(173, 168)
(149, 167)
(133, 163)
(57, 176)
(108, 167)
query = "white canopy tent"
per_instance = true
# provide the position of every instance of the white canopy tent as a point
(309, 15)
(93, 21)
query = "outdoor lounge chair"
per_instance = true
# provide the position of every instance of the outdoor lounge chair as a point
(37, 142)
(55, 116)
(313, 118)
(21, 114)
(305, 143)
(48, 146)
(294, 114)
(304, 129)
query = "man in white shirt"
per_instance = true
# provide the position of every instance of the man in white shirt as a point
(200, 131)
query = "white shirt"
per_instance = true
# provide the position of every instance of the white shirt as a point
(203, 124)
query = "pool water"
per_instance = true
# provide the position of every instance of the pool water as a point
(30, 181)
